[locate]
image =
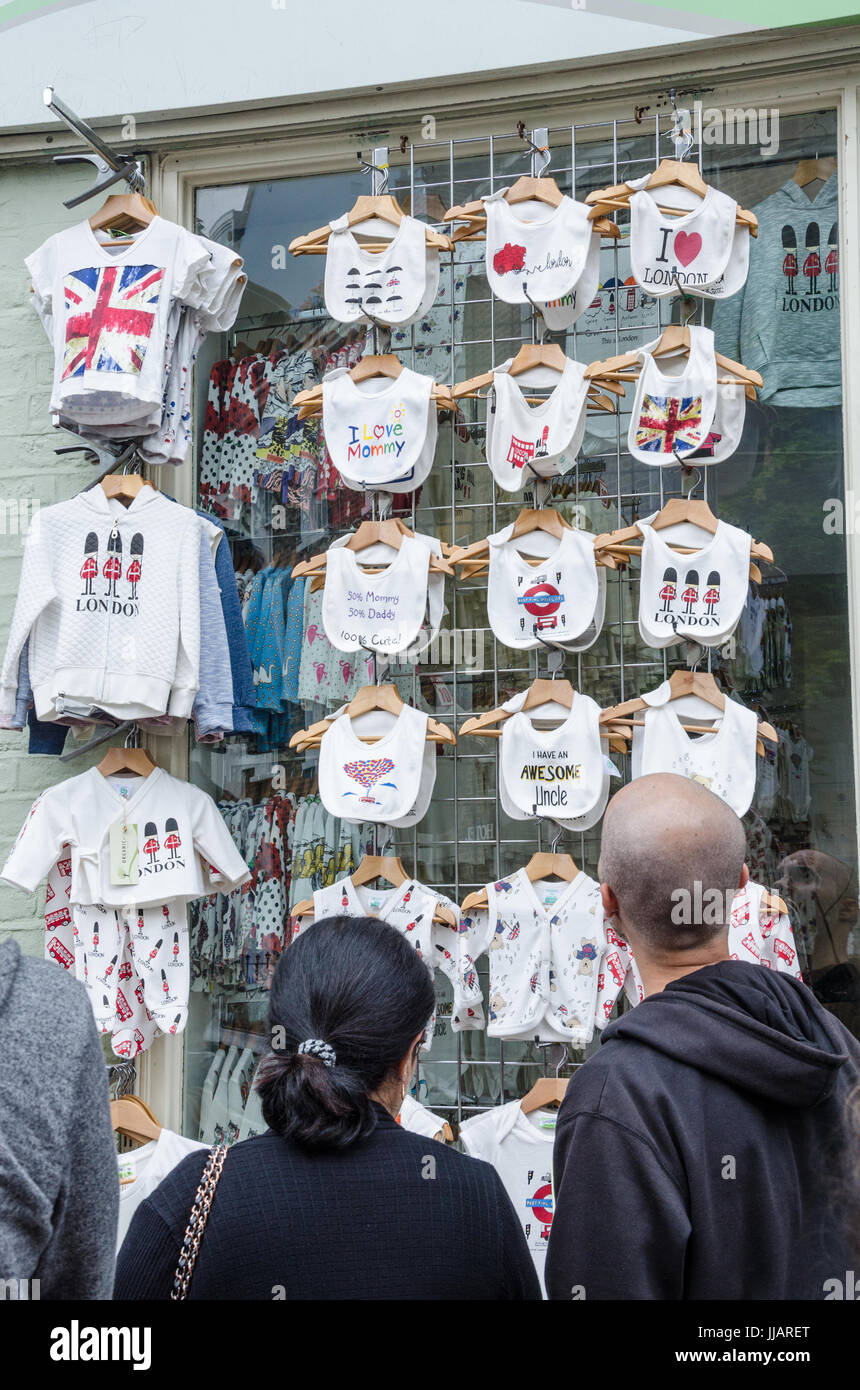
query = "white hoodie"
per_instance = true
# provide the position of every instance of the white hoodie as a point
(110, 598)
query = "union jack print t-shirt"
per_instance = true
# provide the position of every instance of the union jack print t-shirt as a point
(106, 311)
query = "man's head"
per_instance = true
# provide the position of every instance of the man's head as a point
(671, 859)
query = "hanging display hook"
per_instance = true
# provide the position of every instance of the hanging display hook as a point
(110, 166)
(682, 128)
(539, 151)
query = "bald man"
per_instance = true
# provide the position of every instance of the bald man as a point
(702, 1152)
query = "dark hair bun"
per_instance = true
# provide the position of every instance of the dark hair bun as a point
(358, 985)
(321, 1106)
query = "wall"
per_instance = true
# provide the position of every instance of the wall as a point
(31, 208)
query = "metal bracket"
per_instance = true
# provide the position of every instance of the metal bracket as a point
(110, 166)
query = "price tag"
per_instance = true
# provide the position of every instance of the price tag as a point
(124, 868)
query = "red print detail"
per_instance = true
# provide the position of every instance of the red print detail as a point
(509, 258)
(687, 246)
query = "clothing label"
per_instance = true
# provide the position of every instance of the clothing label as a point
(124, 867)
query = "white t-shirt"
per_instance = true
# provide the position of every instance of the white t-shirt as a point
(416, 1117)
(108, 311)
(147, 1166)
(519, 1146)
(184, 849)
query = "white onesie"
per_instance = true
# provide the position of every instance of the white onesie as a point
(544, 940)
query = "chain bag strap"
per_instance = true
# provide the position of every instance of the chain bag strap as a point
(197, 1222)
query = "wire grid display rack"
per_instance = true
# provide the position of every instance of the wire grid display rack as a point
(466, 840)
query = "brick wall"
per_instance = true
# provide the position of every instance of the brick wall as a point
(31, 208)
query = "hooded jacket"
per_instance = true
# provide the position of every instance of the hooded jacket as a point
(110, 597)
(785, 321)
(58, 1189)
(700, 1154)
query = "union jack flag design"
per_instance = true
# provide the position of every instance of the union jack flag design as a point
(110, 312)
(669, 424)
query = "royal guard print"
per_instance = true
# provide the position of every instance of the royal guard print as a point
(711, 596)
(174, 955)
(690, 596)
(151, 843)
(669, 588)
(172, 841)
(133, 572)
(90, 566)
(789, 260)
(831, 264)
(812, 263)
(112, 569)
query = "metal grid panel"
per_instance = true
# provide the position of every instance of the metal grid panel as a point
(482, 333)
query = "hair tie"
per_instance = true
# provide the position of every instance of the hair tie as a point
(317, 1048)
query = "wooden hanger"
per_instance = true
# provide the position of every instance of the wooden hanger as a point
(808, 170)
(125, 485)
(375, 866)
(128, 212)
(134, 760)
(390, 533)
(675, 338)
(547, 1091)
(533, 355)
(681, 683)
(525, 189)
(542, 864)
(542, 691)
(369, 698)
(669, 173)
(132, 1117)
(381, 206)
(621, 542)
(309, 403)
(473, 559)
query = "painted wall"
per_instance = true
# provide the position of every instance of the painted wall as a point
(31, 208)
(107, 61)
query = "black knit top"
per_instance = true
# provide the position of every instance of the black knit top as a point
(397, 1216)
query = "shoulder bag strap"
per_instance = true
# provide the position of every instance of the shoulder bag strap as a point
(197, 1222)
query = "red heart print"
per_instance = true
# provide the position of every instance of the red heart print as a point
(687, 246)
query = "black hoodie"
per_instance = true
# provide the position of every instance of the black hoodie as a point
(697, 1154)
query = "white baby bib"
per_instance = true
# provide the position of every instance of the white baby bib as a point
(391, 286)
(703, 251)
(377, 781)
(534, 251)
(697, 597)
(673, 411)
(556, 600)
(557, 773)
(379, 612)
(523, 439)
(723, 761)
(378, 431)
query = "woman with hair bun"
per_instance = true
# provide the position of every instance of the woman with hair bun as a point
(335, 1200)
